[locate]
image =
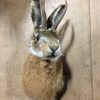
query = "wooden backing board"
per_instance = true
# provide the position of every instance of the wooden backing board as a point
(95, 44)
(82, 57)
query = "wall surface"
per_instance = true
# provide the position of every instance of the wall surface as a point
(81, 25)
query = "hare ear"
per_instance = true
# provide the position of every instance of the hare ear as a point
(36, 13)
(43, 14)
(57, 15)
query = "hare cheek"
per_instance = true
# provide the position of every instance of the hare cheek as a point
(36, 53)
(59, 52)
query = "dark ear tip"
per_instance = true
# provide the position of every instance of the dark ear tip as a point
(65, 5)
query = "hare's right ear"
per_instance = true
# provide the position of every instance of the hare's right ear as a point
(57, 15)
(36, 13)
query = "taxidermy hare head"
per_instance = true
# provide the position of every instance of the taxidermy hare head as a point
(45, 43)
(42, 79)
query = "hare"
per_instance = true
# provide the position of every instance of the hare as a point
(43, 70)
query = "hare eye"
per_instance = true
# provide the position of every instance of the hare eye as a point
(38, 37)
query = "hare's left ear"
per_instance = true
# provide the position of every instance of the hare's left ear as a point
(57, 15)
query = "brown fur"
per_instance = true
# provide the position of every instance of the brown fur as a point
(42, 79)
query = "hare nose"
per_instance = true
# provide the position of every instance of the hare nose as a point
(54, 48)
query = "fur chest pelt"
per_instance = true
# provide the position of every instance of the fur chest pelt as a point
(42, 79)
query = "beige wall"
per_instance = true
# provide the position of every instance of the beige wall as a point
(83, 55)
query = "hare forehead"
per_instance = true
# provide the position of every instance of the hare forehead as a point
(49, 35)
(49, 38)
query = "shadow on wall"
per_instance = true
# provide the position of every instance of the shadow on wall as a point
(66, 68)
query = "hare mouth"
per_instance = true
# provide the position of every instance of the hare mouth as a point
(51, 58)
(54, 56)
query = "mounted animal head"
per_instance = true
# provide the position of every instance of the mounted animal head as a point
(45, 43)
